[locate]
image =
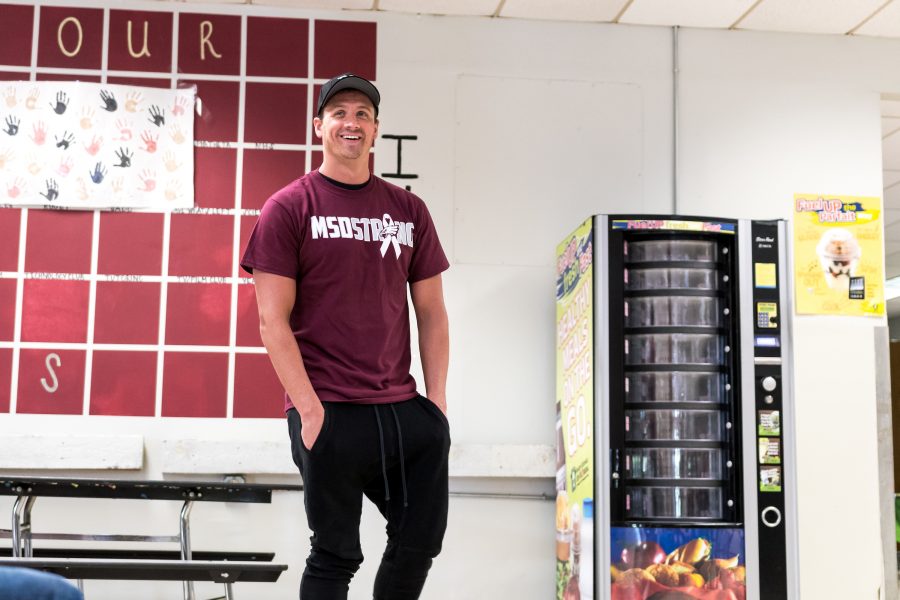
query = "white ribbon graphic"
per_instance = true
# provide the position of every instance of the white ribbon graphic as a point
(389, 235)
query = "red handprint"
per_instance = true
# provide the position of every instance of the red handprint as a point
(124, 127)
(180, 106)
(16, 188)
(39, 133)
(148, 178)
(94, 146)
(65, 165)
(149, 141)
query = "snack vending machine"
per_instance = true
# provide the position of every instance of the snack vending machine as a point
(675, 460)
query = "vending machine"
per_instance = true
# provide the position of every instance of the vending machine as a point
(675, 463)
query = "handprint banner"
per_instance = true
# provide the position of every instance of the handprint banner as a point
(96, 146)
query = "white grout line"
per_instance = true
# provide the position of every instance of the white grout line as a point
(131, 347)
(236, 246)
(167, 226)
(161, 75)
(34, 41)
(124, 278)
(23, 225)
(310, 94)
(163, 298)
(92, 310)
(95, 249)
(104, 50)
(20, 309)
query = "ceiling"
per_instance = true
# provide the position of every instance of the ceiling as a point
(878, 18)
(846, 17)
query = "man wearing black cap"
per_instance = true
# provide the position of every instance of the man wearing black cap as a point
(332, 257)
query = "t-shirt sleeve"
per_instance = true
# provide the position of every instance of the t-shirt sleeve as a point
(428, 257)
(274, 245)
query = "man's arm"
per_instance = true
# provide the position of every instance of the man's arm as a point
(275, 296)
(434, 336)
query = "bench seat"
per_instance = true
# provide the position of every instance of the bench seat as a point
(155, 570)
(132, 554)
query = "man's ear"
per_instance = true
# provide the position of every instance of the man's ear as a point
(317, 126)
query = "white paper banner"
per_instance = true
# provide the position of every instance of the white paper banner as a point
(92, 145)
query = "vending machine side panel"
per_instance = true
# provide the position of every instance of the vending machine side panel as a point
(601, 423)
(785, 257)
(748, 408)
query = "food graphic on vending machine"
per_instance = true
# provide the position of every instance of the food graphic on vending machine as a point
(689, 572)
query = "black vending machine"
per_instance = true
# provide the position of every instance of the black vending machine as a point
(676, 472)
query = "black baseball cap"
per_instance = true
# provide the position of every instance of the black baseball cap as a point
(347, 81)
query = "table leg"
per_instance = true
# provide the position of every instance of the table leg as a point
(185, 535)
(26, 526)
(21, 526)
(229, 593)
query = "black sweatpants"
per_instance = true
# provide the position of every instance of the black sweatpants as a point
(395, 455)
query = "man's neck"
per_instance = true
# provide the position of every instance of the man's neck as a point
(353, 173)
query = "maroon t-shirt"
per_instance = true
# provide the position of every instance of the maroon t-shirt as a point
(352, 253)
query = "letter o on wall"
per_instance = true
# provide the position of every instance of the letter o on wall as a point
(59, 36)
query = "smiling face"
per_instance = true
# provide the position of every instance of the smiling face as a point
(347, 127)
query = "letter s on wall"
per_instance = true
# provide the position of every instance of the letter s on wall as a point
(55, 385)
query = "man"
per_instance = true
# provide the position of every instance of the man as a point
(331, 256)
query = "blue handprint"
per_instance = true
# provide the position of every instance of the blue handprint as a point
(99, 173)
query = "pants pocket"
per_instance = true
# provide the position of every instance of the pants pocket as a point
(435, 410)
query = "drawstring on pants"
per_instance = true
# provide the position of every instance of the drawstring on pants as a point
(387, 490)
(402, 462)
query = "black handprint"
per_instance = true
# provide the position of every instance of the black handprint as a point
(12, 125)
(157, 116)
(99, 173)
(109, 101)
(67, 138)
(62, 102)
(52, 190)
(124, 157)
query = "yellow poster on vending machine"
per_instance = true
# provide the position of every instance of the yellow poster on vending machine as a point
(575, 414)
(839, 255)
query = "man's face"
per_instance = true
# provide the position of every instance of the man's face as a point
(348, 126)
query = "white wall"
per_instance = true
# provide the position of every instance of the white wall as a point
(506, 175)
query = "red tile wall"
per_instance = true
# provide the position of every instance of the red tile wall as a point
(132, 252)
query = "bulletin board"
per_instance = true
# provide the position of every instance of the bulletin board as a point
(148, 314)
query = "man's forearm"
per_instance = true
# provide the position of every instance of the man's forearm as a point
(286, 358)
(434, 348)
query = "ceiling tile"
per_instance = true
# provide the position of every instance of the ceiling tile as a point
(884, 24)
(889, 126)
(890, 107)
(441, 7)
(324, 4)
(890, 153)
(891, 215)
(892, 202)
(810, 16)
(892, 232)
(890, 178)
(570, 10)
(687, 13)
